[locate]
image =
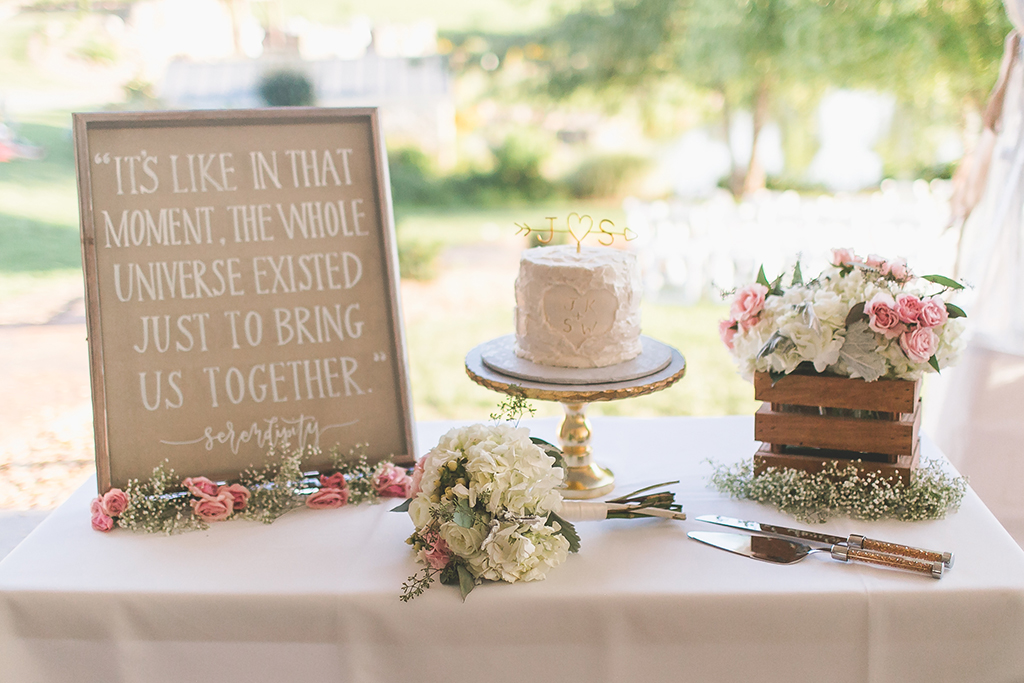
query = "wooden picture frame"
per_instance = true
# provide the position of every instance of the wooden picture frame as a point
(241, 279)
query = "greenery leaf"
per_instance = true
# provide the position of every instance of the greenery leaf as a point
(775, 376)
(798, 276)
(550, 449)
(934, 362)
(856, 313)
(943, 280)
(762, 279)
(776, 287)
(955, 311)
(464, 516)
(860, 353)
(466, 582)
(776, 342)
(402, 507)
(567, 530)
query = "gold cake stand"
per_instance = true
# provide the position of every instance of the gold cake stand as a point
(584, 478)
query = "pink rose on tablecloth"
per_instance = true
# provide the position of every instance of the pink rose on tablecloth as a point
(200, 486)
(435, 552)
(391, 481)
(843, 257)
(882, 317)
(908, 308)
(335, 481)
(238, 493)
(727, 330)
(114, 502)
(213, 508)
(748, 303)
(919, 344)
(933, 312)
(417, 477)
(96, 506)
(327, 498)
(102, 522)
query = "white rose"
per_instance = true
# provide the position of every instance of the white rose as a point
(462, 541)
(419, 510)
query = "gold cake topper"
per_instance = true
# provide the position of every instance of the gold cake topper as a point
(579, 229)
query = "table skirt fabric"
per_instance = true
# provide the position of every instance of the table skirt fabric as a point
(314, 596)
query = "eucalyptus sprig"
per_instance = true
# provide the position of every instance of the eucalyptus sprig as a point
(843, 490)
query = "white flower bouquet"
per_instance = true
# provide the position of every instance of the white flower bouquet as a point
(867, 318)
(487, 505)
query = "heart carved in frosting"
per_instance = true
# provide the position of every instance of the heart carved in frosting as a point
(578, 316)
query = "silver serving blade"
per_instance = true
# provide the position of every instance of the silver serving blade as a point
(764, 548)
(773, 530)
(853, 541)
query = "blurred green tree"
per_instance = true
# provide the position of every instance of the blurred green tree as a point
(935, 56)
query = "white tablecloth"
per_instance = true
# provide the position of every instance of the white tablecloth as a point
(315, 596)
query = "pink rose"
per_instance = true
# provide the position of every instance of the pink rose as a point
(933, 313)
(843, 257)
(335, 481)
(882, 317)
(391, 481)
(908, 308)
(327, 498)
(214, 508)
(239, 494)
(417, 477)
(200, 486)
(114, 502)
(874, 261)
(748, 303)
(435, 551)
(727, 330)
(96, 506)
(919, 344)
(102, 522)
(897, 270)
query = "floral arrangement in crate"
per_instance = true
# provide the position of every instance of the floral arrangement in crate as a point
(867, 318)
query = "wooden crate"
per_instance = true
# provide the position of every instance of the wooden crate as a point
(808, 420)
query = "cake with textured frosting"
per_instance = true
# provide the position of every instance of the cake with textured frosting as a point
(578, 309)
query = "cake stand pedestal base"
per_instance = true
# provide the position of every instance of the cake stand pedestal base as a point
(584, 477)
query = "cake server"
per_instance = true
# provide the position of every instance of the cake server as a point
(853, 540)
(781, 551)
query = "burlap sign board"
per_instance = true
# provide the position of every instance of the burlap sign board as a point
(241, 289)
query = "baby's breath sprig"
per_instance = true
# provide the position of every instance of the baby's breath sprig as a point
(275, 487)
(513, 407)
(840, 490)
(358, 473)
(156, 507)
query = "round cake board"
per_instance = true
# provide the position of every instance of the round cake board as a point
(499, 355)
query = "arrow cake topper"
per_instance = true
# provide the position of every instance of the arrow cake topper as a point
(578, 229)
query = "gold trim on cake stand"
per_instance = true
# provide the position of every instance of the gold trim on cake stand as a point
(584, 477)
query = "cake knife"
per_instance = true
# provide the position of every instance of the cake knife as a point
(852, 541)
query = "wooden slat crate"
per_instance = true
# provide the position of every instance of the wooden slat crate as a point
(808, 420)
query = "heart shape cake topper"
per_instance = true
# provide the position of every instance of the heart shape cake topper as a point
(576, 230)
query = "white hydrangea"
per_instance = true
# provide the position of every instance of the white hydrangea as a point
(518, 552)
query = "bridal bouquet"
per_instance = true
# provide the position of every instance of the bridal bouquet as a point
(862, 317)
(486, 505)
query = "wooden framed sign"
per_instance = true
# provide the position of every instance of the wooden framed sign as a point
(241, 289)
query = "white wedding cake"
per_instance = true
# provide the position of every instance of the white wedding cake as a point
(578, 310)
